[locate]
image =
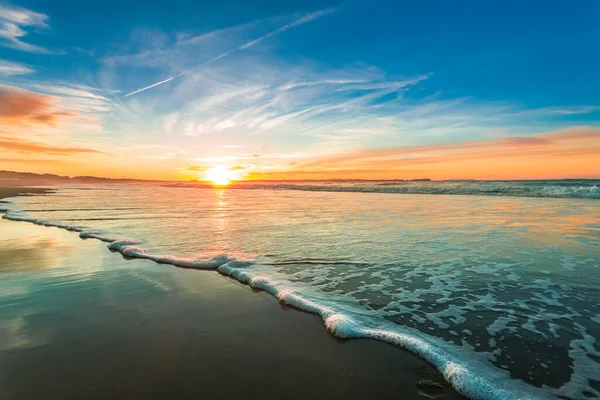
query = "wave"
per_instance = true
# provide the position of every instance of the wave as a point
(468, 374)
(544, 189)
(559, 189)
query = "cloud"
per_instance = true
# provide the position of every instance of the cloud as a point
(384, 85)
(556, 111)
(159, 157)
(25, 146)
(197, 168)
(302, 20)
(67, 90)
(440, 159)
(28, 160)
(562, 139)
(252, 97)
(8, 68)
(527, 141)
(21, 107)
(12, 22)
(74, 98)
(77, 109)
(299, 21)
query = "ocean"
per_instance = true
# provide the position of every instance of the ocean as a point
(494, 283)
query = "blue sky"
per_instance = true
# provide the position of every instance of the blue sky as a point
(267, 86)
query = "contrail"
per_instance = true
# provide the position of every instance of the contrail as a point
(153, 85)
(299, 21)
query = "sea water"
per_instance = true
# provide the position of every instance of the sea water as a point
(494, 283)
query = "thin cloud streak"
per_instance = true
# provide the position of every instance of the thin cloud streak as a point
(12, 20)
(8, 68)
(26, 146)
(581, 139)
(300, 21)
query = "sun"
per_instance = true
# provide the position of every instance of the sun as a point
(219, 176)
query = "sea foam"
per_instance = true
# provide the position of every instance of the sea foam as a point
(582, 189)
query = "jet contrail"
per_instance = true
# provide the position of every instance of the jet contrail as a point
(299, 21)
(153, 85)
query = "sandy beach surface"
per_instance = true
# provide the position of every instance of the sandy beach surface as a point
(80, 322)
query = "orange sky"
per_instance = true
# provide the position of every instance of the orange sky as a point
(573, 153)
(37, 136)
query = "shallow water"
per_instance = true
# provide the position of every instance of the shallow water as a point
(500, 293)
(84, 323)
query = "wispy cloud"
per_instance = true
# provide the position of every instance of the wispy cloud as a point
(299, 21)
(21, 107)
(67, 90)
(556, 111)
(457, 157)
(31, 161)
(73, 97)
(25, 146)
(251, 97)
(8, 68)
(197, 168)
(13, 24)
(57, 109)
(302, 20)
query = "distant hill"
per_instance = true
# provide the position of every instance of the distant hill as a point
(12, 178)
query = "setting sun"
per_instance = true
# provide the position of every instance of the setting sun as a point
(219, 176)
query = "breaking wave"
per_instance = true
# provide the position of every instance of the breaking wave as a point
(575, 189)
(469, 189)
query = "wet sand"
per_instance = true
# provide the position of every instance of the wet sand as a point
(80, 322)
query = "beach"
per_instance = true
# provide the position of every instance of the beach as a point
(300, 200)
(81, 322)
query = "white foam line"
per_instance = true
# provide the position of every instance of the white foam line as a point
(442, 188)
(468, 376)
(465, 378)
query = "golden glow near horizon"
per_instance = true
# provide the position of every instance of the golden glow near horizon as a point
(219, 176)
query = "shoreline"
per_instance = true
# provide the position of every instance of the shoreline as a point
(14, 191)
(295, 342)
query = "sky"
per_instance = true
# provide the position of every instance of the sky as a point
(301, 89)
